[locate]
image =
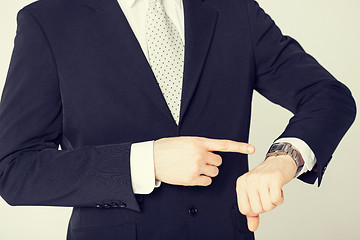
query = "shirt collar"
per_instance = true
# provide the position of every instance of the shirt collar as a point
(130, 3)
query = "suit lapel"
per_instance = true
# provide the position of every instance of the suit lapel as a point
(110, 27)
(200, 21)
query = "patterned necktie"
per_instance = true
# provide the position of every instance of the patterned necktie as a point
(166, 55)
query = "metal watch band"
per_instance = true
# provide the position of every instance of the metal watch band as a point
(284, 148)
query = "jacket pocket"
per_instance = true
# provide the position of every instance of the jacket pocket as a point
(124, 231)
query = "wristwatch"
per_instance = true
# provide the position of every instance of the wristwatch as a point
(284, 148)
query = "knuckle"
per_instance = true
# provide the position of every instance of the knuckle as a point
(244, 210)
(268, 207)
(255, 179)
(197, 141)
(254, 213)
(254, 175)
(196, 170)
(240, 183)
(264, 180)
(257, 210)
(193, 173)
(276, 200)
(249, 179)
(197, 156)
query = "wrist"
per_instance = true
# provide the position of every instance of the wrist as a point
(286, 165)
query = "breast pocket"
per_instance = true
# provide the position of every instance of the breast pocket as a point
(124, 231)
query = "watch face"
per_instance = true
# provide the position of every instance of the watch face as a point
(277, 147)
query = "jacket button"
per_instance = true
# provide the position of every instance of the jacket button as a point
(193, 211)
(114, 205)
(98, 206)
(122, 204)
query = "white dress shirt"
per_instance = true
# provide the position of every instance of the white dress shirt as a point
(141, 154)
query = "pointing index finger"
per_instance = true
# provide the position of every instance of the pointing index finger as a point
(223, 145)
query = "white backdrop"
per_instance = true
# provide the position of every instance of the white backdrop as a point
(329, 30)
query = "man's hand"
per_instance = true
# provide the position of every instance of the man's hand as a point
(260, 190)
(189, 161)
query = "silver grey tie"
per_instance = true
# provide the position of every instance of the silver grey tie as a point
(166, 55)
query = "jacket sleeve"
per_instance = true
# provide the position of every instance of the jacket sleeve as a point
(33, 171)
(285, 74)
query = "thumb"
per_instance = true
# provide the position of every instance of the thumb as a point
(252, 222)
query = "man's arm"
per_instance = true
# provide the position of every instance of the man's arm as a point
(323, 111)
(32, 169)
(323, 107)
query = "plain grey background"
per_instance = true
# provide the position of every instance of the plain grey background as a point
(328, 30)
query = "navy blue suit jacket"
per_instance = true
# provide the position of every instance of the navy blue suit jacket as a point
(78, 78)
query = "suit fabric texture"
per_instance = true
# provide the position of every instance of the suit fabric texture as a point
(78, 78)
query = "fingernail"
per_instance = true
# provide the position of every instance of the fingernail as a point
(251, 149)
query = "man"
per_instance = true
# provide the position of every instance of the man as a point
(150, 102)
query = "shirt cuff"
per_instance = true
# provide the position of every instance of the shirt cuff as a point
(142, 167)
(305, 151)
